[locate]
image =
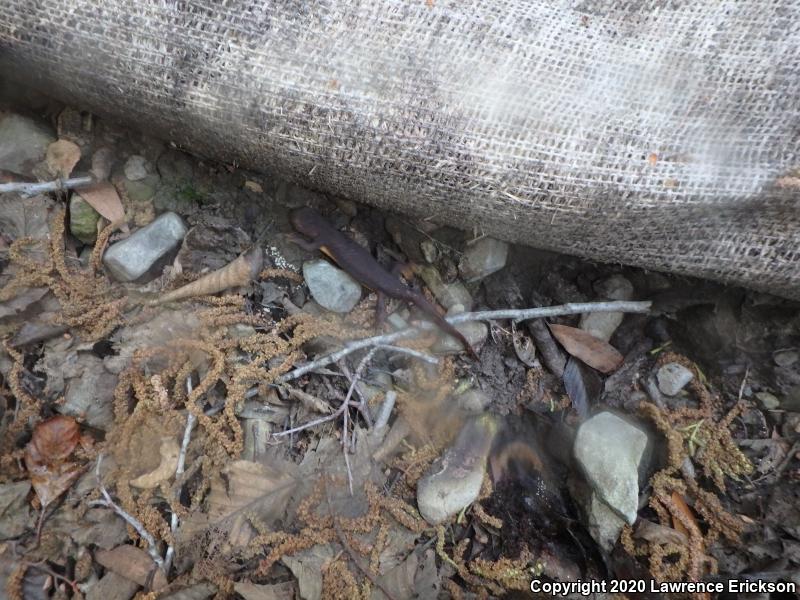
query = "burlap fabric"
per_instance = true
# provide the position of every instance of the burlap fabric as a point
(658, 133)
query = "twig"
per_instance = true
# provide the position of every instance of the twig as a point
(45, 569)
(382, 420)
(130, 519)
(415, 353)
(356, 376)
(28, 189)
(486, 315)
(362, 404)
(187, 436)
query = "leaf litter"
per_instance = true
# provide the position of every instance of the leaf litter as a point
(329, 506)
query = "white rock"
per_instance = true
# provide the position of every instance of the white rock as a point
(131, 258)
(672, 378)
(603, 325)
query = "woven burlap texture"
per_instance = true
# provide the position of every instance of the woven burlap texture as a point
(663, 134)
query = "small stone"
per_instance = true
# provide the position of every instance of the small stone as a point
(136, 168)
(102, 162)
(483, 258)
(175, 167)
(82, 219)
(331, 287)
(603, 324)
(604, 525)
(131, 258)
(454, 481)
(253, 186)
(672, 378)
(786, 358)
(141, 190)
(407, 236)
(609, 449)
(768, 401)
(112, 586)
(476, 333)
(448, 294)
(90, 396)
(429, 250)
(23, 142)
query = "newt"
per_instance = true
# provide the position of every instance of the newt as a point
(363, 267)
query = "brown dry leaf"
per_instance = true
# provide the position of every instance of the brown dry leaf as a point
(103, 197)
(132, 563)
(169, 451)
(523, 346)
(307, 567)
(583, 386)
(684, 508)
(593, 351)
(46, 457)
(658, 534)
(62, 156)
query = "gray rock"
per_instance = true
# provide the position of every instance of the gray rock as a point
(609, 450)
(82, 219)
(786, 358)
(89, 395)
(331, 287)
(102, 162)
(454, 481)
(603, 325)
(672, 378)
(448, 294)
(175, 166)
(143, 189)
(23, 142)
(429, 250)
(473, 401)
(603, 523)
(768, 401)
(136, 168)
(483, 258)
(131, 258)
(476, 333)
(256, 439)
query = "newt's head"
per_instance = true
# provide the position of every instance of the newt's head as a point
(307, 221)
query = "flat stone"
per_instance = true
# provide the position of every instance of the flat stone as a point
(604, 525)
(448, 294)
(483, 258)
(23, 142)
(768, 401)
(131, 258)
(136, 168)
(331, 287)
(672, 378)
(82, 219)
(603, 325)
(609, 449)
(112, 586)
(786, 358)
(454, 480)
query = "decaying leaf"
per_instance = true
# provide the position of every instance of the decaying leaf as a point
(276, 591)
(593, 351)
(583, 386)
(169, 451)
(658, 534)
(21, 301)
(25, 217)
(46, 457)
(62, 156)
(133, 563)
(306, 566)
(103, 197)
(524, 347)
(14, 511)
(243, 488)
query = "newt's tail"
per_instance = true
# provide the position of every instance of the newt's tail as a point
(434, 315)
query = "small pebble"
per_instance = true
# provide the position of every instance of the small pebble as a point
(768, 401)
(672, 378)
(136, 168)
(131, 258)
(483, 258)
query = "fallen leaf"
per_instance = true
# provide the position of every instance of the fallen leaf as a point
(61, 157)
(583, 386)
(14, 511)
(253, 186)
(306, 566)
(276, 591)
(524, 347)
(165, 470)
(680, 503)
(21, 301)
(659, 534)
(133, 563)
(25, 217)
(46, 457)
(593, 351)
(103, 197)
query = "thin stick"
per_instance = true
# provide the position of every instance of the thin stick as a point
(382, 420)
(187, 436)
(130, 519)
(415, 353)
(356, 376)
(486, 315)
(28, 189)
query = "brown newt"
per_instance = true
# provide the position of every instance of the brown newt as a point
(363, 267)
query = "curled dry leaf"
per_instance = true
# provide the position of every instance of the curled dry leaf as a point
(103, 197)
(47, 454)
(62, 156)
(165, 470)
(659, 534)
(593, 351)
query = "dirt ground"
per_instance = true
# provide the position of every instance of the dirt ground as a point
(247, 442)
